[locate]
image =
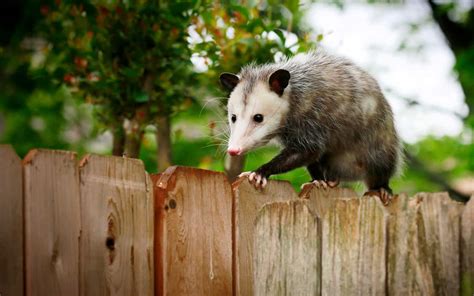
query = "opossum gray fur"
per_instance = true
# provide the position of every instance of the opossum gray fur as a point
(328, 114)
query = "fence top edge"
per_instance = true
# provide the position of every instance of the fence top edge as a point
(443, 195)
(34, 153)
(7, 148)
(90, 156)
(163, 179)
(237, 183)
(182, 168)
(339, 192)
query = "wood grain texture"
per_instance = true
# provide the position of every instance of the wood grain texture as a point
(467, 249)
(52, 223)
(319, 200)
(194, 231)
(424, 245)
(438, 225)
(287, 249)
(247, 203)
(117, 227)
(405, 265)
(11, 223)
(354, 242)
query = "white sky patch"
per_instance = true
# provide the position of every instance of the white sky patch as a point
(230, 33)
(290, 38)
(199, 63)
(371, 36)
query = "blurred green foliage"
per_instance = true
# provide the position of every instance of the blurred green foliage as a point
(107, 50)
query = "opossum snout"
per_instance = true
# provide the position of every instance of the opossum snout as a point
(234, 151)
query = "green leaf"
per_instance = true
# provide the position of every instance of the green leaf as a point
(131, 73)
(280, 35)
(141, 97)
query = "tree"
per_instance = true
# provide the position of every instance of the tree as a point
(459, 35)
(32, 110)
(131, 60)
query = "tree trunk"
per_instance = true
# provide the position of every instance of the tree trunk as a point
(133, 143)
(234, 166)
(134, 132)
(163, 139)
(118, 141)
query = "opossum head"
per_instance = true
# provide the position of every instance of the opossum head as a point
(256, 109)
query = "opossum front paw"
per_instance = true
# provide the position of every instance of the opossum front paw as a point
(324, 184)
(258, 180)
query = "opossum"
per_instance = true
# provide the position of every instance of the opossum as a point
(328, 115)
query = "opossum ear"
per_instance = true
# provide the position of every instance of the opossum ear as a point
(229, 80)
(279, 81)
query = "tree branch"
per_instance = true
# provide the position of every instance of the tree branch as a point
(458, 36)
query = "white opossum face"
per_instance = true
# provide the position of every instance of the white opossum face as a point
(255, 117)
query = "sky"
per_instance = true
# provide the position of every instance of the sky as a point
(421, 70)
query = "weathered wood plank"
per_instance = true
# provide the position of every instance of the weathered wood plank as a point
(438, 232)
(424, 245)
(117, 227)
(354, 241)
(405, 267)
(287, 250)
(194, 229)
(11, 222)
(247, 203)
(467, 249)
(319, 200)
(52, 223)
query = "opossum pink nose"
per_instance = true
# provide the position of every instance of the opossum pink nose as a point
(234, 151)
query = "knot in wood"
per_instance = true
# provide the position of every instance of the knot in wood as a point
(172, 204)
(110, 243)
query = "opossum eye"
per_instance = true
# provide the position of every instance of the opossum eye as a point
(233, 118)
(258, 118)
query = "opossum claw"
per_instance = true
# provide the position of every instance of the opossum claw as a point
(256, 179)
(260, 181)
(320, 184)
(244, 174)
(382, 193)
(324, 184)
(252, 176)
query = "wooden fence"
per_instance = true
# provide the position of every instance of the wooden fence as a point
(103, 226)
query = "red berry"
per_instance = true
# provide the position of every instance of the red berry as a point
(44, 9)
(92, 77)
(70, 79)
(80, 62)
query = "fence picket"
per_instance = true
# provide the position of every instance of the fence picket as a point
(52, 223)
(117, 227)
(248, 202)
(467, 249)
(354, 247)
(319, 200)
(11, 222)
(194, 230)
(438, 237)
(404, 262)
(287, 248)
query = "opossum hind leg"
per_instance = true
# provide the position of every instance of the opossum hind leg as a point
(319, 176)
(378, 186)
